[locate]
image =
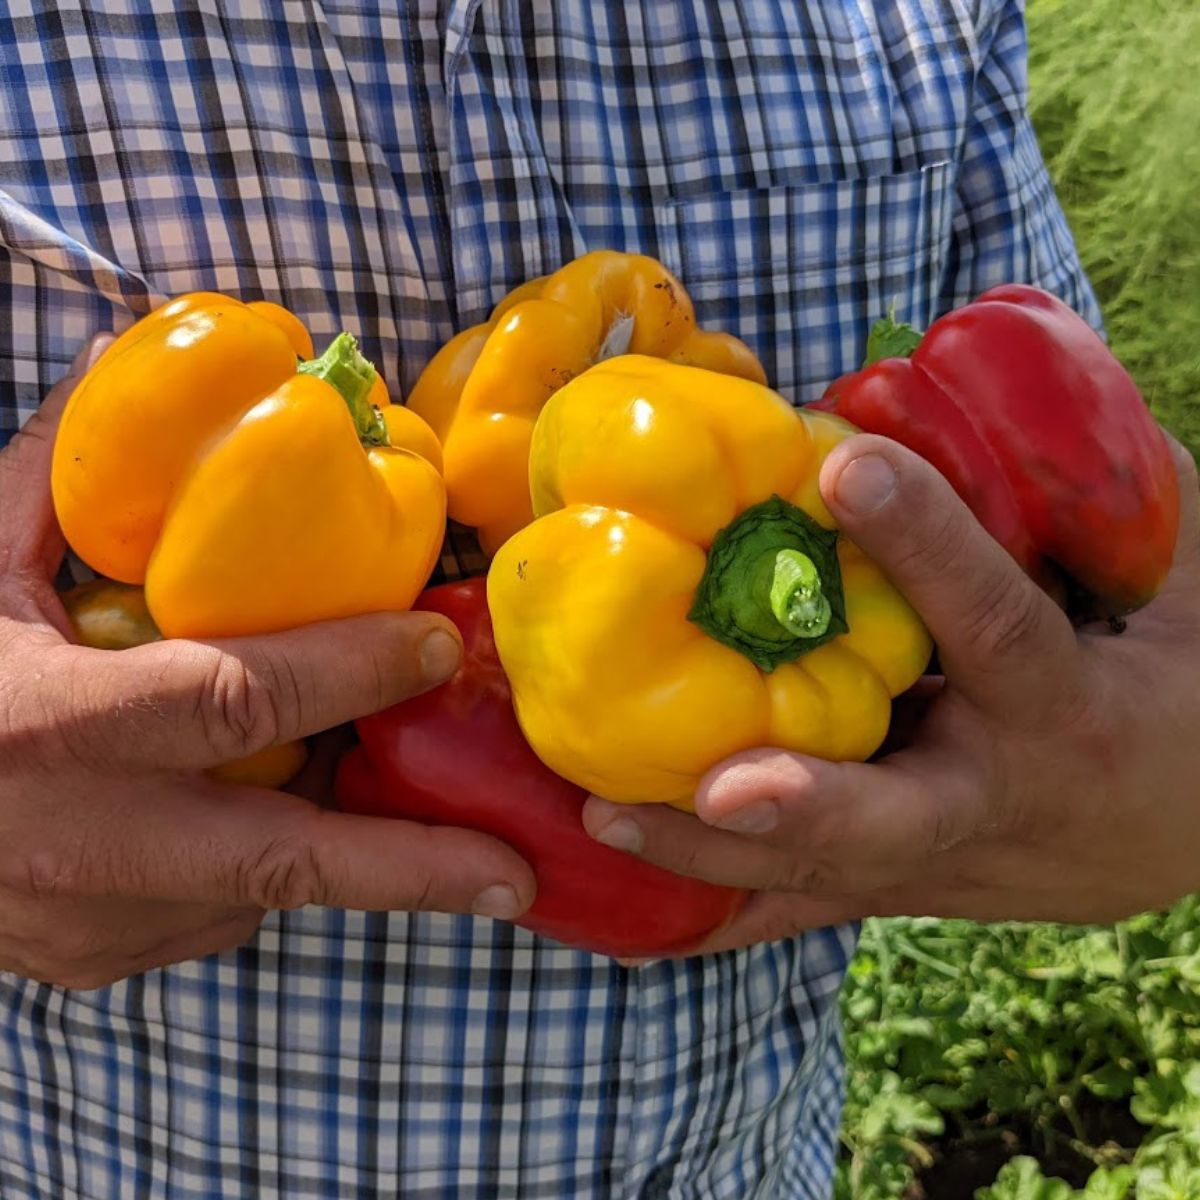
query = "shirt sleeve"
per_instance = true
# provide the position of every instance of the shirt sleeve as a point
(1008, 224)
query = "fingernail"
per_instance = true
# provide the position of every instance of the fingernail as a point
(621, 834)
(498, 901)
(866, 485)
(440, 656)
(759, 816)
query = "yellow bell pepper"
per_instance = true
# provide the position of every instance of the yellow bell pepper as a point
(483, 390)
(113, 616)
(247, 492)
(683, 595)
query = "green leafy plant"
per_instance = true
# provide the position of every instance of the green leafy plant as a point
(1079, 1046)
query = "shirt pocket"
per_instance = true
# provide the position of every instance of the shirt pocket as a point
(802, 271)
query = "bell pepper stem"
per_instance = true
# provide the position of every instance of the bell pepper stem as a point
(772, 586)
(795, 597)
(343, 367)
(890, 338)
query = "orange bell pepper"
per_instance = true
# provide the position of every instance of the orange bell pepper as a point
(247, 492)
(483, 390)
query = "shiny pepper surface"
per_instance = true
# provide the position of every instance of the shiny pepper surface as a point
(483, 391)
(683, 594)
(248, 491)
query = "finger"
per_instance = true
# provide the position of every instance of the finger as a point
(679, 843)
(1185, 569)
(854, 826)
(29, 536)
(995, 629)
(785, 822)
(189, 704)
(219, 844)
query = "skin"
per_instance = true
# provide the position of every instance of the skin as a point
(1052, 777)
(117, 852)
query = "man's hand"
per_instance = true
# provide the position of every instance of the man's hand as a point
(1054, 776)
(117, 852)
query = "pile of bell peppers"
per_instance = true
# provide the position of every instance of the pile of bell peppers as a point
(483, 391)
(667, 586)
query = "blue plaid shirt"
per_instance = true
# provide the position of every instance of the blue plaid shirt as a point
(393, 167)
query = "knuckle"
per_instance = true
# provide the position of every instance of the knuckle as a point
(47, 877)
(286, 874)
(424, 898)
(238, 714)
(382, 682)
(42, 875)
(1004, 617)
(679, 852)
(941, 545)
(818, 880)
(688, 861)
(36, 433)
(937, 833)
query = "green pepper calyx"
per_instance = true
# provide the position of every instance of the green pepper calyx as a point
(890, 338)
(772, 587)
(343, 367)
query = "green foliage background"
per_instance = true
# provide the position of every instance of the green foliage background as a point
(1115, 98)
(968, 1032)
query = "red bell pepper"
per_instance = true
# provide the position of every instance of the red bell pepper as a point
(456, 756)
(1041, 431)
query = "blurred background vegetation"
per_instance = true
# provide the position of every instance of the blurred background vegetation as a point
(1017, 1062)
(1115, 98)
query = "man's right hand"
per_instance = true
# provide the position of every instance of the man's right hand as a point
(117, 852)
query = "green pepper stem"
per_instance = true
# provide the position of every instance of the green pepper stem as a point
(795, 597)
(890, 338)
(344, 368)
(772, 586)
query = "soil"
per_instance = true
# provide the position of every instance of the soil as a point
(963, 1163)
